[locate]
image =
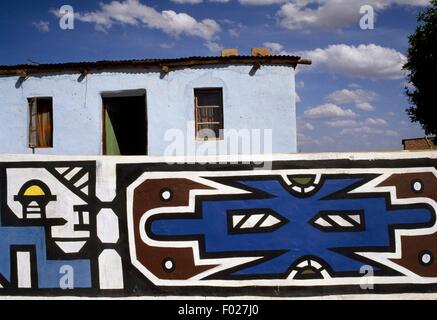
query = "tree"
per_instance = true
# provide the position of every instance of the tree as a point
(422, 71)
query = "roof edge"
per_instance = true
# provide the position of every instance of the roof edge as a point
(166, 65)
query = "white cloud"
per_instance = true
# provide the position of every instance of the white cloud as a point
(354, 86)
(43, 26)
(327, 140)
(276, 48)
(235, 28)
(261, 2)
(187, 1)
(308, 126)
(133, 12)
(376, 122)
(363, 61)
(331, 14)
(365, 106)
(214, 47)
(307, 140)
(302, 124)
(329, 110)
(369, 131)
(341, 123)
(360, 98)
(322, 6)
(391, 133)
(235, 32)
(197, 1)
(166, 45)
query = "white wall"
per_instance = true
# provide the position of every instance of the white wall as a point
(265, 100)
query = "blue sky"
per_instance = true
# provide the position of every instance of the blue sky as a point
(350, 99)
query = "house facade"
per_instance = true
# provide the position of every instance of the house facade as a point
(151, 107)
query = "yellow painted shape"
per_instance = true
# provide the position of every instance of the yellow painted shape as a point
(34, 191)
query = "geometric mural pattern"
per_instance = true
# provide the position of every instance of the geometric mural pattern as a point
(307, 227)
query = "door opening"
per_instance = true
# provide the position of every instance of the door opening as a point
(124, 125)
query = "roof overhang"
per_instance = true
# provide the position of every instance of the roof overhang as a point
(165, 65)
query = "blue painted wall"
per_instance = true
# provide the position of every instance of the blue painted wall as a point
(265, 100)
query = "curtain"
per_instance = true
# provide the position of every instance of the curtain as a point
(209, 113)
(41, 126)
(44, 124)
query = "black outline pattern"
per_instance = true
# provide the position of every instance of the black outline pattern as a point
(137, 285)
(247, 213)
(335, 227)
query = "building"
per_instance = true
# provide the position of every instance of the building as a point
(427, 143)
(141, 107)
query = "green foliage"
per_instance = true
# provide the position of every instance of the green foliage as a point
(422, 68)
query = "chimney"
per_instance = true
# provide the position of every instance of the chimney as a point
(230, 52)
(260, 52)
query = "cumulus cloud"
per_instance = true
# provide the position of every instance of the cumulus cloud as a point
(133, 12)
(329, 110)
(213, 47)
(363, 61)
(328, 14)
(42, 26)
(376, 122)
(341, 123)
(369, 131)
(275, 48)
(197, 1)
(302, 124)
(261, 2)
(298, 98)
(360, 98)
(308, 126)
(187, 1)
(320, 141)
(234, 28)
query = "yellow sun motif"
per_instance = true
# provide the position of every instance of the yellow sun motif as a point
(34, 191)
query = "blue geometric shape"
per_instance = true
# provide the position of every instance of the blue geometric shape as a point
(298, 238)
(48, 270)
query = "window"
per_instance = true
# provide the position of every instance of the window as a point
(40, 122)
(124, 125)
(209, 113)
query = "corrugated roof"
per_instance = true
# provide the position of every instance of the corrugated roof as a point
(151, 63)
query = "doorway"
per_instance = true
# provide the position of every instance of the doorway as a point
(124, 125)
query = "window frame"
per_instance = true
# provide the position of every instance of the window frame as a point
(196, 107)
(32, 129)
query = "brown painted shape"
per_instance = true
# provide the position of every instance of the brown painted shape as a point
(414, 246)
(403, 183)
(147, 196)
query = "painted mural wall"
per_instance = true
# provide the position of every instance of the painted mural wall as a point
(281, 226)
(77, 107)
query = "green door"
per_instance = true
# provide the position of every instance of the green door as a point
(112, 146)
(125, 126)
